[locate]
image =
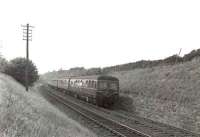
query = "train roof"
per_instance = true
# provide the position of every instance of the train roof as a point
(97, 77)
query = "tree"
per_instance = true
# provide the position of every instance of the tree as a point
(94, 71)
(17, 67)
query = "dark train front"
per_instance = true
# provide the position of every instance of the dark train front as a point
(108, 91)
(99, 90)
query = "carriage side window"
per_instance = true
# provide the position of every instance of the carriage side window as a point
(71, 83)
(81, 83)
(92, 84)
(95, 84)
(86, 85)
(76, 83)
(89, 85)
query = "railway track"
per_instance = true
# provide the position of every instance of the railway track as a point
(144, 126)
(117, 128)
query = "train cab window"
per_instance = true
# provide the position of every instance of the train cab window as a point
(113, 86)
(103, 85)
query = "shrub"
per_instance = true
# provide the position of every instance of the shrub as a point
(93, 71)
(3, 64)
(191, 55)
(17, 67)
(172, 59)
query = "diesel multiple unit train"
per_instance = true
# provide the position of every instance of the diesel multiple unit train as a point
(99, 90)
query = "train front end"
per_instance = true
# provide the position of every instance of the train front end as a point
(108, 92)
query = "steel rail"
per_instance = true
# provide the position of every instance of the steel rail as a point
(113, 126)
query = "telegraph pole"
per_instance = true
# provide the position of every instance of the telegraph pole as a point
(27, 35)
(178, 54)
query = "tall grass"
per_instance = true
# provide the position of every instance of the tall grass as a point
(169, 94)
(25, 114)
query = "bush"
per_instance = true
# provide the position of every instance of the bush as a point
(17, 67)
(3, 64)
(93, 71)
(191, 55)
(173, 59)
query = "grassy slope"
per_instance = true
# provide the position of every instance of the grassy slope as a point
(27, 114)
(169, 94)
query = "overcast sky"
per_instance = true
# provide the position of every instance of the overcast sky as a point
(91, 33)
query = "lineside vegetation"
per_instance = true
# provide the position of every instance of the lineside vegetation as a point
(17, 67)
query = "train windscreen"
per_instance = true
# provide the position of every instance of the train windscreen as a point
(107, 85)
(103, 85)
(113, 86)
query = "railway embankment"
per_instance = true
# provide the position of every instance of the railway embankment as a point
(27, 114)
(167, 94)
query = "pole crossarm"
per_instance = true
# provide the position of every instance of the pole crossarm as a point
(26, 26)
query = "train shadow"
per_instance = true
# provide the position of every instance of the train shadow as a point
(124, 103)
